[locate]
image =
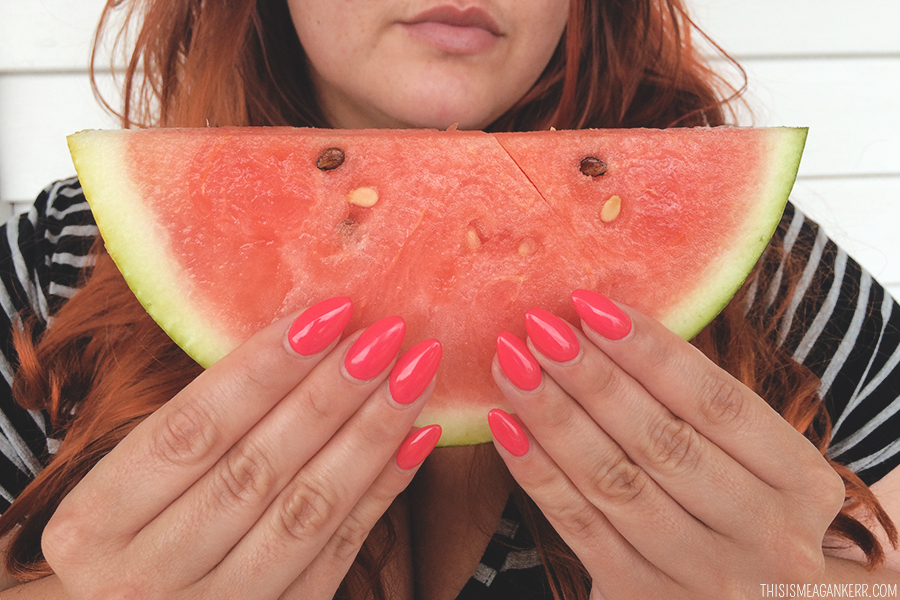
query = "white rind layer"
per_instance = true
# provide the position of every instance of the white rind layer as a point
(129, 229)
(694, 311)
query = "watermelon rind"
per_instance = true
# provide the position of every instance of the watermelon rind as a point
(128, 230)
(785, 148)
(140, 248)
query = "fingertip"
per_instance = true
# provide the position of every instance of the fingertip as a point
(517, 363)
(414, 371)
(319, 325)
(601, 314)
(551, 336)
(508, 432)
(375, 348)
(417, 446)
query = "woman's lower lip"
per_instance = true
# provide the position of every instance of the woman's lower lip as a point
(452, 39)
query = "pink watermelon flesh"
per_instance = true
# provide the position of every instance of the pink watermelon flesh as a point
(220, 231)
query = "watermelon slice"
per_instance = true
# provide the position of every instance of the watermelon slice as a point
(220, 231)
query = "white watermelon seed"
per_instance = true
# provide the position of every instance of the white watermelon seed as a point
(611, 209)
(364, 196)
(473, 239)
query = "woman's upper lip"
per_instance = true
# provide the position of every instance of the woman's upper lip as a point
(458, 17)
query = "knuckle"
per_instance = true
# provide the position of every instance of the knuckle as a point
(349, 538)
(721, 398)
(661, 356)
(674, 445)
(65, 538)
(306, 511)
(583, 525)
(184, 436)
(798, 560)
(618, 481)
(835, 493)
(246, 477)
(551, 413)
(823, 491)
(317, 403)
(606, 382)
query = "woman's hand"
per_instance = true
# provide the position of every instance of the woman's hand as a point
(665, 475)
(262, 478)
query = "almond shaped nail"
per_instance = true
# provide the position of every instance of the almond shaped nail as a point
(508, 432)
(601, 314)
(417, 446)
(319, 325)
(414, 371)
(517, 362)
(552, 336)
(374, 350)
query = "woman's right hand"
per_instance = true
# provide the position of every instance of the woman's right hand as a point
(262, 478)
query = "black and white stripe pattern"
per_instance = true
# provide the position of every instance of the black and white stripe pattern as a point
(846, 328)
(511, 565)
(839, 322)
(45, 252)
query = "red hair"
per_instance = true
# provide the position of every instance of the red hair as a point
(194, 63)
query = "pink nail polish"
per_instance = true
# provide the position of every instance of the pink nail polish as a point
(551, 335)
(508, 432)
(414, 371)
(517, 363)
(417, 446)
(601, 314)
(319, 325)
(374, 350)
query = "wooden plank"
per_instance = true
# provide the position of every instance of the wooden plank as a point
(862, 215)
(56, 34)
(850, 106)
(39, 111)
(47, 34)
(800, 27)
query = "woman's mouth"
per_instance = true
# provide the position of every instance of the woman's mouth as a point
(454, 30)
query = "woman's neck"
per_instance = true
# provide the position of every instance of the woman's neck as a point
(452, 509)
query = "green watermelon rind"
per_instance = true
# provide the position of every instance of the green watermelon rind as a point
(695, 311)
(126, 225)
(122, 218)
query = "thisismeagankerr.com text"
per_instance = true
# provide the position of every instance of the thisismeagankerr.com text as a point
(829, 590)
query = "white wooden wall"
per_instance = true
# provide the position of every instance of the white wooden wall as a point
(830, 65)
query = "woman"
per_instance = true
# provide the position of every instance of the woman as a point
(636, 467)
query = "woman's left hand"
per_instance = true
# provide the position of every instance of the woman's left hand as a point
(664, 474)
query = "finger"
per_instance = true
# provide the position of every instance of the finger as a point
(211, 516)
(718, 406)
(172, 448)
(323, 576)
(635, 505)
(600, 547)
(297, 525)
(670, 450)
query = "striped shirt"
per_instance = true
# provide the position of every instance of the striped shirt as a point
(840, 323)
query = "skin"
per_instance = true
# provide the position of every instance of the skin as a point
(370, 71)
(269, 470)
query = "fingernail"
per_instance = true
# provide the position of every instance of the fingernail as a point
(417, 446)
(551, 335)
(508, 432)
(319, 325)
(601, 314)
(374, 350)
(517, 363)
(414, 371)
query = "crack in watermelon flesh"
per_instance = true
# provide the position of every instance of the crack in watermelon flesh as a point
(220, 231)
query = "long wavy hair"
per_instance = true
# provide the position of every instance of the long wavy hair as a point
(195, 63)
